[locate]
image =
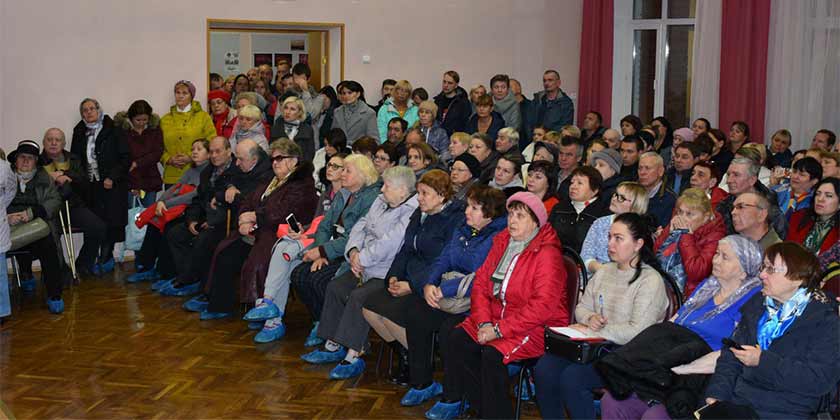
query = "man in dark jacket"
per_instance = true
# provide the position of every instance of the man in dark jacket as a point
(453, 104)
(553, 109)
(221, 189)
(661, 200)
(525, 111)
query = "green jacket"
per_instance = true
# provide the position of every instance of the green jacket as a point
(41, 197)
(180, 129)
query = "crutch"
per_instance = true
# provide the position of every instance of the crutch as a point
(67, 229)
(227, 225)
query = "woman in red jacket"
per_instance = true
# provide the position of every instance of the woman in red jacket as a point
(520, 288)
(818, 228)
(686, 247)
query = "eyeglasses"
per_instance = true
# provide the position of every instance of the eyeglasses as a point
(770, 269)
(334, 166)
(279, 158)
(381, 159)
(620, 198)
(741, 206)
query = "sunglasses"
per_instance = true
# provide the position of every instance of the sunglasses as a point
(279, 158)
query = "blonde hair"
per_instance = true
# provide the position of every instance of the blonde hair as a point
(428, 106)
(638, 196)
(461, 137)
(552, 137)
(696, 199)
(477, 87)
(573, 130)
(250, 111)
(299, 102)
(365, 166)
(404, 85)
(251, 97)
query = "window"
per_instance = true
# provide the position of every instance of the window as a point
(652, 59)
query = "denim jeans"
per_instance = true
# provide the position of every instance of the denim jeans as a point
(5, 303)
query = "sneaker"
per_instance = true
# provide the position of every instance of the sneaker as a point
(320, 356)
(416, 396)
(196, 304)
(56, 306)
(262, 312)
(269, 334)
(445, 411)
(207, 315)
(185, 290)
(162, 284)
(312, 340)
(143, 276)
(348, 370)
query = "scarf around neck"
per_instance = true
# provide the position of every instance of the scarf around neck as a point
(513, 249)
(777, 318)
(24, 178)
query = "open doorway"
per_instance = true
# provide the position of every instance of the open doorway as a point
(234, 47)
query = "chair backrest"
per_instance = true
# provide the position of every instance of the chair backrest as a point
(575, 279)
(675, 297)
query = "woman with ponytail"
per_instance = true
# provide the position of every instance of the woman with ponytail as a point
(624, 297)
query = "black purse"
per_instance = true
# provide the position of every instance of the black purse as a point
(583, 351)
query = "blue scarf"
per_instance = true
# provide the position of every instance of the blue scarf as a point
(776, 320)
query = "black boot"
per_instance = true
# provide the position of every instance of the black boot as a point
(401, 376)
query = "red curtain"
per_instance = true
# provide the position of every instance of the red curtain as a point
(596, 60)
(743, 64)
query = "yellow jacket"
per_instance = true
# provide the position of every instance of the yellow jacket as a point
(180, 129)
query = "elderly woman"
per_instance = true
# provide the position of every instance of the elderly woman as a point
(686, 246)
(36, 197)
(463, 173)
(354, 117)
(385, 156)
(185, 122)
(708, 316)
(420, 158)
(542, 182)
(290, 192)
(399, 104)
(71, 180)
(623, 298)
(224, 118)
(629, 197)
(435, 134)
(444, 303)
(507, 141)
(459, 143)
(427, 233)
(140, 129)
(249, 126)
(370, 250)
(105, 159)
(818, 227)
(154, 259)
(608, 164)
(573, 216)
(292, 126)
(785, 355)
(520, 288)
(481, 147)
(323, 258)
(485, 120)
(508, 173)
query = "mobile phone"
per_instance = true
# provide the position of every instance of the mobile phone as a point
(699, 413)
(292, 221)
(731, 344)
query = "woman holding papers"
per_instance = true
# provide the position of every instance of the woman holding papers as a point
(623, 298)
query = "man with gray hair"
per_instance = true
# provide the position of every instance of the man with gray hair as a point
(742, 176)
(661, 200)
(612, 137)
(750, 218)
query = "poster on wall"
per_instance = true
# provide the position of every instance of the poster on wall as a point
(260, 59)
(282, 57)
(297, 45)
(232, 62)
(303, 58)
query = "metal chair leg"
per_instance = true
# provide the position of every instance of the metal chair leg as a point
(518, 410)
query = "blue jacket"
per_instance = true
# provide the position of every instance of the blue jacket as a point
(497, 124)
(437, 138)
(661, 205)
(423, 243)
(553, 114)
(464, 253)
(388, 111)
(332, 247)
(783, 195)
(794, 373)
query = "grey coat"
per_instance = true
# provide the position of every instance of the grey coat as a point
(356, 120)
(378, 236)
(509, 109)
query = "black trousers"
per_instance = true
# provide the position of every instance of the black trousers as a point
(224, 286)
(154, 249)
(192, 254)
(480, 374)
(44, 250)
(95, 234)
(312, 287)
(422, 322)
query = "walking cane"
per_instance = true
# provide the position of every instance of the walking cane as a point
(68, 239)
(227, 225)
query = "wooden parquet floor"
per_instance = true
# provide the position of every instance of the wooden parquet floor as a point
(122, 351)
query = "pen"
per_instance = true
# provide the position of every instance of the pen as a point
(601, 304)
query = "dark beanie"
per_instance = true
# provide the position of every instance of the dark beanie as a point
(472, 163)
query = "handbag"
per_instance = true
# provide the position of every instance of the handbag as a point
(459, 303)
(134, 235)
(583, 351)
(24, 234)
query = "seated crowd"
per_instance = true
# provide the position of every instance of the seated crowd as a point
(445, 223)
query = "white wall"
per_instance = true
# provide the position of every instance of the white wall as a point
(56, 53)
